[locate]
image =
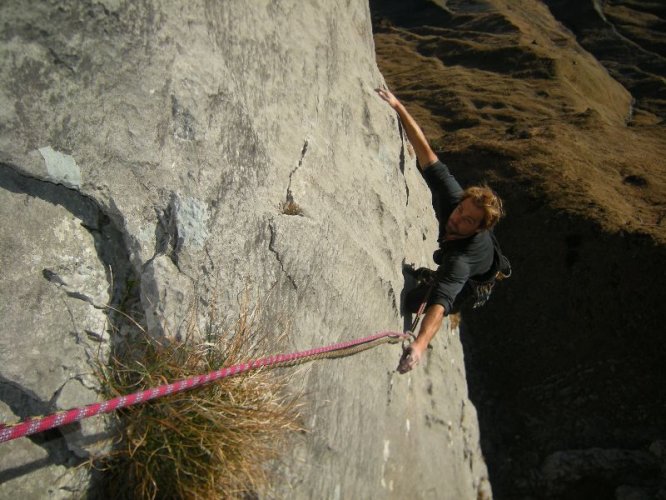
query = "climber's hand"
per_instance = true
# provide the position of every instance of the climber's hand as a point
(411, 356)
(388, 97)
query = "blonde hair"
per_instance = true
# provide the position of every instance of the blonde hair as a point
(486, 199)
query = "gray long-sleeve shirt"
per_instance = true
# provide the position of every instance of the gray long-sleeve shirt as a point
(461, 259)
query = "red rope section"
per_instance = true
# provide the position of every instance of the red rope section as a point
(40, 424)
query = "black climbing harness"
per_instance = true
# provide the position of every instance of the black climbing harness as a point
(482, 286)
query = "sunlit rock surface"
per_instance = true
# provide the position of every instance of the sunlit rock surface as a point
(146, 153)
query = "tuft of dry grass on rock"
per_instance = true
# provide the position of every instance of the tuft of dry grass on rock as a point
(215, 441)
(291, 208)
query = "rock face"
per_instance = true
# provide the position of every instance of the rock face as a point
(146, 153)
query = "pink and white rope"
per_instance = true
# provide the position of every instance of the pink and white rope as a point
(40, 424)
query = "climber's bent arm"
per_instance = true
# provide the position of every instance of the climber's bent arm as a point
(432, 321)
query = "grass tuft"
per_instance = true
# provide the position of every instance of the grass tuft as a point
(215, 441)
(291, 208)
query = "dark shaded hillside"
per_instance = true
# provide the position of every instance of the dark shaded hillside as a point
(565, 363)
(629, 38)
(569, 353)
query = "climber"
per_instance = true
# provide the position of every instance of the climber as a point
(469, 257)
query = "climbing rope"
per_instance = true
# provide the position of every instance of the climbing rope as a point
(40, 424)
(422, 307)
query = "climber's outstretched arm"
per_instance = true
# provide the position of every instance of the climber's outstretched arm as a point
(424, 153)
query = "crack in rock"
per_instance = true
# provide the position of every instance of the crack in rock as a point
(304, 150)
(271, 247)
(401, 160)
(55, 278)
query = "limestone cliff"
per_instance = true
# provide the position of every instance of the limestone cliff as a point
(146, 150)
